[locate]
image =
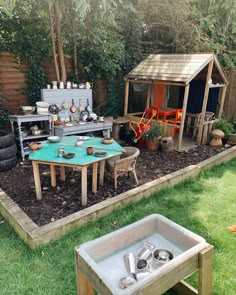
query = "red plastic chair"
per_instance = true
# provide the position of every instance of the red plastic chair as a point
(177, 119)
(152, 113)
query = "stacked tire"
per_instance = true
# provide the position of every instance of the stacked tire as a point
(8, 151)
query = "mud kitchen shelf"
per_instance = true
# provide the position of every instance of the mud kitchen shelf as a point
(20, 121)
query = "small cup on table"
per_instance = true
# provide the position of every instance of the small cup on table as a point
(60, 152)
(90, 150)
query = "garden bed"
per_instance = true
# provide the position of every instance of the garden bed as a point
(155, 171)
(64, 199)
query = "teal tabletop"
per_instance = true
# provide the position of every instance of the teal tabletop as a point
(95, 142)
(48, 152)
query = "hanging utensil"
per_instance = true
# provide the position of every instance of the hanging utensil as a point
(80, 107)
(88, 107)
(73, 107)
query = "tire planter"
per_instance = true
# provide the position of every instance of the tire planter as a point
(6, 139)
(8, 164)
(8, 152)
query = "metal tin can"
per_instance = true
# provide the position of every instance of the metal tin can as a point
(60, 152)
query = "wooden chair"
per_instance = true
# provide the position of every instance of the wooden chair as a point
(177, 119)
(118, 166)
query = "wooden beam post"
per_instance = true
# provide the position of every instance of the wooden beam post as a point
(204, 103)
(126, 97)
(222, 101)
(148, 97)
(184, 108)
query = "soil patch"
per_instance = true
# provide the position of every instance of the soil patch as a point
(64, 199)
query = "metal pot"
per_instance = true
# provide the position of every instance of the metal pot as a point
(37, 132)
(84, 116)
(53, 109)
(24, 133)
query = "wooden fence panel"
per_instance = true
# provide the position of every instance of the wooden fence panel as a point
(230, 99)
(13, 79)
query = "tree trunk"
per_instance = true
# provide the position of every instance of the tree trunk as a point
(76, 72)
(60, 46)
(53, 44)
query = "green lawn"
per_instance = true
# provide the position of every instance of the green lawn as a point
(206, 205)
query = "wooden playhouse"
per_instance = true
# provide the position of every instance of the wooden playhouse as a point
(162, 75)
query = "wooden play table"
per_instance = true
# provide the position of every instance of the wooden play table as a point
(48, 155)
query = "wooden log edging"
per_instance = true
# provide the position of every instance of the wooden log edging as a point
(35, 236)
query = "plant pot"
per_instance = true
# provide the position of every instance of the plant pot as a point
(152, 144)
(232, 138)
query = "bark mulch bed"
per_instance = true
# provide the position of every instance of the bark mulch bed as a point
(64, 199)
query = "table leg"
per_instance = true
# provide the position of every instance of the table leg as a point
(62, 173)
(37, 180)
(205, 271)
(84, 186)
(95, 176)
(101, 172)
(53, 175)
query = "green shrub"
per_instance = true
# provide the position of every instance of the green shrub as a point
(224, 126)
(153, 132)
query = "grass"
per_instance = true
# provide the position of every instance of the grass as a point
(205, 205)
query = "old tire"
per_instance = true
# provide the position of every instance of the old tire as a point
(8, 152)
(6, 139)
(8, 164)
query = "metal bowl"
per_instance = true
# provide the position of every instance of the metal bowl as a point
(28, 110)
(37, 132)
(54, 139)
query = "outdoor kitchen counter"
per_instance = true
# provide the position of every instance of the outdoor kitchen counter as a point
(79, 128)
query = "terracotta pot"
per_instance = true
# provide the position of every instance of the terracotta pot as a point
(152, 144)
(90, 150)
(33, 146)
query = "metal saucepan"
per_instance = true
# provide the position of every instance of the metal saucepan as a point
(88, 107)
(80, 107)
(73, 107)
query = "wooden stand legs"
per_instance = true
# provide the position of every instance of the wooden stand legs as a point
(205, 275)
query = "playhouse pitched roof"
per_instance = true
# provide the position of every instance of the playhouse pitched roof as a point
(174, 67)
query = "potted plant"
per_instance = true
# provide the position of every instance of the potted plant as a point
(152, 137)
(226, 127)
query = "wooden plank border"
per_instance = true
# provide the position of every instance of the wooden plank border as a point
(35, 236)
